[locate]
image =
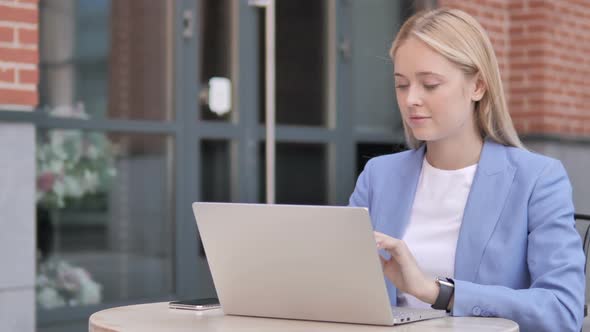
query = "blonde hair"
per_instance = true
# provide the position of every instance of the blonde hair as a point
(460, 39)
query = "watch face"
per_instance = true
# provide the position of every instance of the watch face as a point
(445, 281)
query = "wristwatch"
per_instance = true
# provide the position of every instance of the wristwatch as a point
(447, 288)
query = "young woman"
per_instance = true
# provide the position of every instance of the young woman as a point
(468, 220)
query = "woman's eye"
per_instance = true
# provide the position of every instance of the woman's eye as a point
(430, 86)
(401, 86)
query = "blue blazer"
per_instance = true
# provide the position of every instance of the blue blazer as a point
(518, 255)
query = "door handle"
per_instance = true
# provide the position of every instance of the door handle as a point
(217, 95)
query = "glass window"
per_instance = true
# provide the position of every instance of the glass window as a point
(300, 63)
(301, 174)
(215, 171)
(105, 217)
(106, 59)
(374, 24)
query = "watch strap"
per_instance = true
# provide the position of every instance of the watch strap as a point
(447, 288)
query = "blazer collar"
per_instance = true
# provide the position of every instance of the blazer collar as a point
(492, 160)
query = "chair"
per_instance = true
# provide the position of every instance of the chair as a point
(583, 226)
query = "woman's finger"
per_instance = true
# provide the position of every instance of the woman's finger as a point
(386, 242)
(392, 245)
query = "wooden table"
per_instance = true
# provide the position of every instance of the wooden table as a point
(157, 317)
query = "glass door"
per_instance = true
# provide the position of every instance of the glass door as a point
(334, 103)
(223, 67)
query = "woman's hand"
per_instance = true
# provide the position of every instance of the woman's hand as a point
(403, 271)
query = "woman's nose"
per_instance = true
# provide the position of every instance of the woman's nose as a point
(414, 97)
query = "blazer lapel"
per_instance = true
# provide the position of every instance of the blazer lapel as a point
(403, 190)
(489, 190)
(395, 214)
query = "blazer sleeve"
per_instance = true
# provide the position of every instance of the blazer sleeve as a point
(555, 299)
(361, 195)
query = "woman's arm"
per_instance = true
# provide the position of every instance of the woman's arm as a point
(555, 299)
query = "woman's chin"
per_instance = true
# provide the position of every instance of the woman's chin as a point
(423, 135)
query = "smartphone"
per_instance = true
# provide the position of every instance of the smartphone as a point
(195, 304)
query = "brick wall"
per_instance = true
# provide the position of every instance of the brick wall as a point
(543, 48)
(19, 54)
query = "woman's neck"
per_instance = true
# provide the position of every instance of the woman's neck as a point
(450, 154)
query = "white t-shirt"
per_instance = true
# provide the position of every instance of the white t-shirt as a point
(435, 221)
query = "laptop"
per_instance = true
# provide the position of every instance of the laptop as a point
(298, 262)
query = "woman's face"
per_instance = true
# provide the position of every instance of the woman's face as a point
(435, 97)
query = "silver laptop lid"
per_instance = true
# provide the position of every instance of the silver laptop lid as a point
(298, 262)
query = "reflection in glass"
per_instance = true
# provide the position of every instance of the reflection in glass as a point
(301, 174)
(104, 217)
(300, 63)
(111, 59)
(374, 26)
(215, 171)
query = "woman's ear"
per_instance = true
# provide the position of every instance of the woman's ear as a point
(479, 89)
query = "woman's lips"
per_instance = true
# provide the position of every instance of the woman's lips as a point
(418, 119)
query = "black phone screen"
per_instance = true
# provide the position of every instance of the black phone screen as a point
(208, 301)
